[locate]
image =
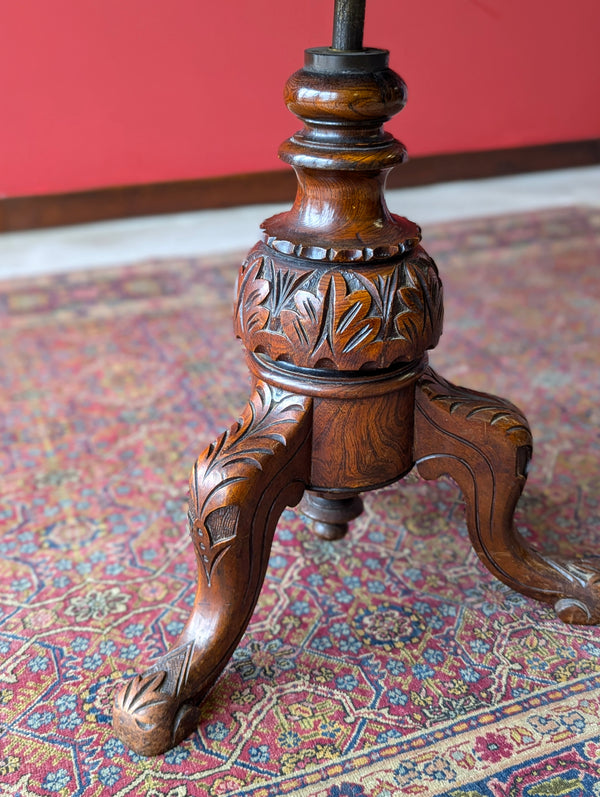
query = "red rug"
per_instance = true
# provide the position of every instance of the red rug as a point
(388, 663)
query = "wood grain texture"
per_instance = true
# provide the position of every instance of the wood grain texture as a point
(361, 444)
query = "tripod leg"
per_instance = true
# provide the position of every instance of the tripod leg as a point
(239, 487)
(484, 444)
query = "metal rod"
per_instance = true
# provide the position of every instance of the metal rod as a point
(348, 24)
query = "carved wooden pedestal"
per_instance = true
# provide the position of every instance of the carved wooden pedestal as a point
(337, 307)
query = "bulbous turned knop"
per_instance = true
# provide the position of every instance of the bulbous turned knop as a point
(346, 97)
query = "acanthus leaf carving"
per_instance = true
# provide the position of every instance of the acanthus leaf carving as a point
(351, 325)
(347, 317)
(256, 316)
(472, 405)
(143, 699)
(304, 322)
(222, 476)
(422, 317)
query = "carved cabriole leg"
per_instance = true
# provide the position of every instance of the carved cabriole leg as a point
(484, 444)
(239, 487)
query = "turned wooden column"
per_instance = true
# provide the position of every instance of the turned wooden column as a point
(339, 301)
(337, 306)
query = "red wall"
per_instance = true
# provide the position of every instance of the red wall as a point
(108, 92)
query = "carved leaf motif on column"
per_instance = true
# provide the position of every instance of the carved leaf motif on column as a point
(343, 318)
(422, 318)
(330, 326)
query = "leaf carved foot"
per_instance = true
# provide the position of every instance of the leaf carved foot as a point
(484, 444)
(239, 487)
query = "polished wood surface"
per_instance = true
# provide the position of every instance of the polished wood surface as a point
(238, 488)
(484, 443)
(337, 307)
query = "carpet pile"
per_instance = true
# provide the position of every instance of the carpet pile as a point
(385, 664)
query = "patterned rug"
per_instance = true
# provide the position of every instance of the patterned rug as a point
(385, 664)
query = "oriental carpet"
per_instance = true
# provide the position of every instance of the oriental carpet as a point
(385, 664)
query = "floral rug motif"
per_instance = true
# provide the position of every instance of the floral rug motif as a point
(388, 663)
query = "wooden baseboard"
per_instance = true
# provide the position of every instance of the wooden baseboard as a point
(29, 212)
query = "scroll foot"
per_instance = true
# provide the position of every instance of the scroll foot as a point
(484, 444)
(239, 487)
